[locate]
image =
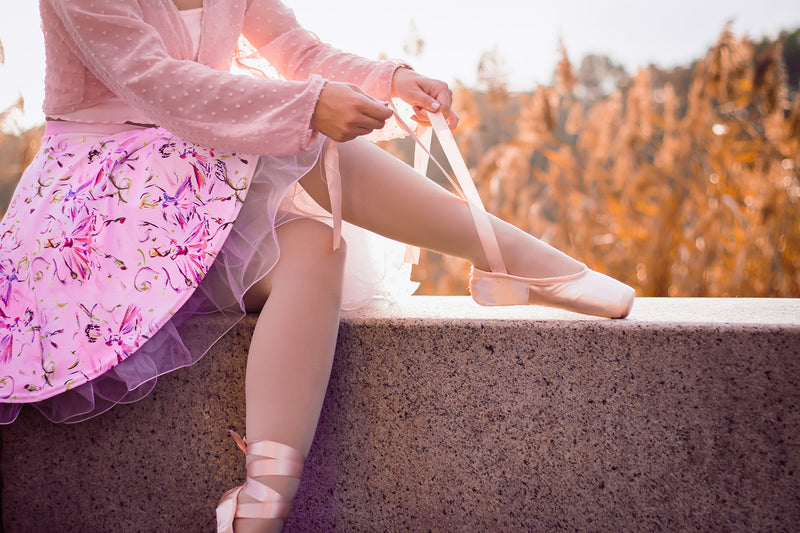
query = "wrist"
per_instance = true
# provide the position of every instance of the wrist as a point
(401, 69)
(312, 122)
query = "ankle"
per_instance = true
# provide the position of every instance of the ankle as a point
(543, 263)
(527, 257)
(273, 476)
(524, 255)
(263, 525)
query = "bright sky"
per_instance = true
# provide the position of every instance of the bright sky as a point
(525, 32)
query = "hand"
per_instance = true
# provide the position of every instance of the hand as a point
(345, 112)
(424, 94)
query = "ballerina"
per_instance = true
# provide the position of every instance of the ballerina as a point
(168, 187)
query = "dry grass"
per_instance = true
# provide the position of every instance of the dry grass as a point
(679, 184)
(16, 151)
(692, 194)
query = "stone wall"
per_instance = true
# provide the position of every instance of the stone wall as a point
(444, 416)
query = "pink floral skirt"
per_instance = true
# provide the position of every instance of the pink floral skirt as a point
(114, 241)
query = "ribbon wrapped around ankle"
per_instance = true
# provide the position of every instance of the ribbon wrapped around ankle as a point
(463, 184)
(265, 458)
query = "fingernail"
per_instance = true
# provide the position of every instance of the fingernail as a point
(436, 105)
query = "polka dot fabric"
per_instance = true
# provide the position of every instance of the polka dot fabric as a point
(141, 52)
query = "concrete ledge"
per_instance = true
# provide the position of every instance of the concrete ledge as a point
(445, 416)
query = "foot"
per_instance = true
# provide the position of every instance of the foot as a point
(286, 487)
(262, 504)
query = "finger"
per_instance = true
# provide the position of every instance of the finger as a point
(369, 105)
(420, 113)
(375, 109)
(452, 120)
(423, 96)
(363, 124)
(369, 123)
(366, 131)
(353, 133)
(429, 103)
(446, 101)
(421, 119)
(443, 96)
(420, 116)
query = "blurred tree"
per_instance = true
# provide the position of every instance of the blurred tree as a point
(493, 76)
(414, 45)
(564, 79)
(598, 77)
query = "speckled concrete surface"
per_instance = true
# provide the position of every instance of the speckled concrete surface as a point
(444, 416)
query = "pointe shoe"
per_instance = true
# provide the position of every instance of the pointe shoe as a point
(271, 459)
(586, 291)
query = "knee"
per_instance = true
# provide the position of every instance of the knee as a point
(324, 273)
(319, 251)
(330, 263)
(307, 249)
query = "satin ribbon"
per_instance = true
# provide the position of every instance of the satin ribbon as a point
(463, 185)
(271, 459)
(421, 160)
(333, 178)
(240, 442)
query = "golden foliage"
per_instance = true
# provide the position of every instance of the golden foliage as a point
(17, 150)
(678, 195)
(565, 79)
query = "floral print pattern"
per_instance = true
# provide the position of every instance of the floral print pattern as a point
(105, 238)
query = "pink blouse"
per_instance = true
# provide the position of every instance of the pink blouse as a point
(141, 51)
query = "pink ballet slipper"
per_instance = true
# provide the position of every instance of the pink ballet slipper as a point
(270, 459)
(587, 292)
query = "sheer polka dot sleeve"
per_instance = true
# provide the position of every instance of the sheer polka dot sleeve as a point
(298, 54)
(114, 40)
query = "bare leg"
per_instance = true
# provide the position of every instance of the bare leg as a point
(386, 196)
(291, 353)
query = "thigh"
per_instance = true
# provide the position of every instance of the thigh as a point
(375, 183)
(307, 261)
(384, 195)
